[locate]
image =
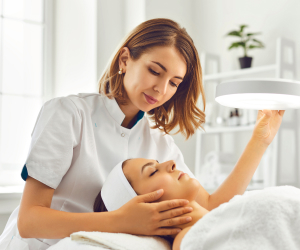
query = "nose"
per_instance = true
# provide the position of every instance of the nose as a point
(162, 87)
(171, 166)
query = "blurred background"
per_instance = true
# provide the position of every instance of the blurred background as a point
(52, 48)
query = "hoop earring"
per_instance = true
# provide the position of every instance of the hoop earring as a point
(120, 72)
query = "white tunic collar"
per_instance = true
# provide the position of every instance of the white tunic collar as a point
(114, 109)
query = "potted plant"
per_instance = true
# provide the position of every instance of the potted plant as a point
(245, 62)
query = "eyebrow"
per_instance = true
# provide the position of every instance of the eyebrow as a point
(147, 164)
(163, 67)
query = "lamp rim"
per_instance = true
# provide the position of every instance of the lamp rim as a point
(258, 85)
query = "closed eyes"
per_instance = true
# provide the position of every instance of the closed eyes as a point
(154, 172)
(155, 73)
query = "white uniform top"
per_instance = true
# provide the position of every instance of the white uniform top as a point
(75, 143)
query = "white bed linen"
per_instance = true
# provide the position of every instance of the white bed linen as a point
(265, 219)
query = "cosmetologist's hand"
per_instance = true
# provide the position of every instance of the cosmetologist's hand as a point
(267, 125)
(140, 217)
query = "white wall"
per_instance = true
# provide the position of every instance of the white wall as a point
(111, 30)
(180, 11)
(75, 48)
(273, 18)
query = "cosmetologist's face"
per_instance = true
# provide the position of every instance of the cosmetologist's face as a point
(154, 78)
(154, 176)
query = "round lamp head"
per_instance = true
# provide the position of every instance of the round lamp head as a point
(273, 94)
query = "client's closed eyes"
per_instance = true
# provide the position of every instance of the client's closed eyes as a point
(154, 172)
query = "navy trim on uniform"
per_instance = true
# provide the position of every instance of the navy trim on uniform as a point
(24, 173)
(140, 115)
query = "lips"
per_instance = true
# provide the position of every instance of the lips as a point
(150, 99)
(180, 174)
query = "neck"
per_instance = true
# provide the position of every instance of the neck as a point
(197, 213)
(130, 111)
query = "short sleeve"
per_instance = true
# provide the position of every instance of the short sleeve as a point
(55, 134)
(178, 157)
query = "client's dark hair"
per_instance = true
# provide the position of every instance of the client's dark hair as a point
(99, 206)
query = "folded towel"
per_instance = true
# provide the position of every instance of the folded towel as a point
(261, 219)
(121, 241)
(68, 244)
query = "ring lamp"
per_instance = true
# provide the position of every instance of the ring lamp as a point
(273, 94)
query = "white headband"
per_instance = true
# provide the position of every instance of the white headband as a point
(116, 190)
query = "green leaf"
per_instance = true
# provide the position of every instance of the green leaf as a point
(243, 44)
(242, 27)
(259, 42)
(233, 46)
(253, 34)
(234, 33)
(236, 45)
(255, 46)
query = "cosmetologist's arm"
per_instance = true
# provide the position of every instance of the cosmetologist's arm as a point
(240, 177)
(266, 127)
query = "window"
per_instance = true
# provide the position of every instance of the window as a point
(24, 38)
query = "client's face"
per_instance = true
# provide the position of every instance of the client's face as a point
(146, 176)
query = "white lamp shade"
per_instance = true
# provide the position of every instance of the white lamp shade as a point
(273, 94)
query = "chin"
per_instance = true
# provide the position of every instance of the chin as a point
(193, 187)
(142, 105)
(145, 106)
(195, 182)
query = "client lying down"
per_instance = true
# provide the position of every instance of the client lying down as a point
(261, 219)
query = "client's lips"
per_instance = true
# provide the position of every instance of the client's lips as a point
(180, 174)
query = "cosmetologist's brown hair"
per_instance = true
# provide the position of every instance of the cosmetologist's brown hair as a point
(181, 110)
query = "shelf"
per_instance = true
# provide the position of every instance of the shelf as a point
(215, 130)
(240, 72)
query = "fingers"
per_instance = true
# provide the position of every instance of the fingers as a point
(175, 212)
(175, 221)
(273, 112)
(169, 204)
(267, 112)
(169, 218)
(167, 231)
(260, 114)
(153, 196)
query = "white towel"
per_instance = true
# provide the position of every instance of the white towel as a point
(121, 241)
(261, 219)
(68, 244)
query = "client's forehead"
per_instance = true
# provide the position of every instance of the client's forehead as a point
(135, 163)
(132, 167)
